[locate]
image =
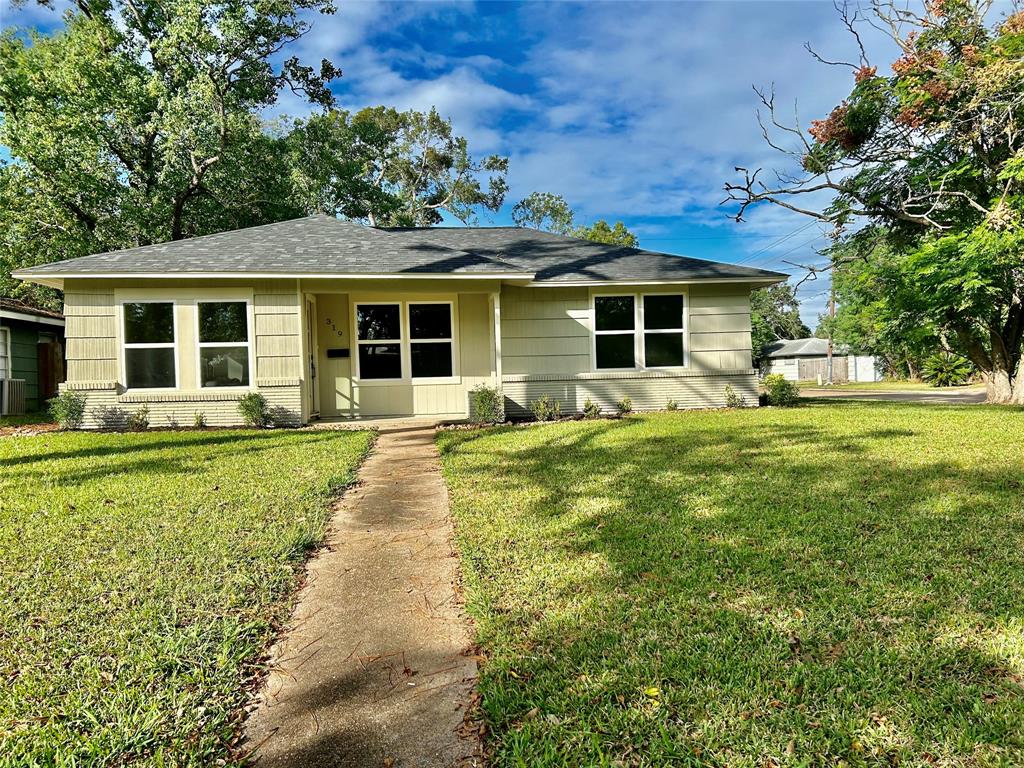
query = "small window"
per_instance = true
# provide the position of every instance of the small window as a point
(430, 333)
(223, 344)
(379, 338)
(615, 329)
(149, 351)
(663, 331)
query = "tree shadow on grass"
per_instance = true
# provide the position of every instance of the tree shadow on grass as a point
(122, 444)
(789, 590)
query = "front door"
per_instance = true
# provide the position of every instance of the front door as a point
(312, 353)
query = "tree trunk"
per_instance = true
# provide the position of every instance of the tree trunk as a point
(1005, 387)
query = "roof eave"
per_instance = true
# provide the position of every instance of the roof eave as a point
(756, 281)
(56, 280)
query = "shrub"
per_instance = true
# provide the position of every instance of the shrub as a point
(198, 420)
(138, 421)
(486, 405)
(253, 408)
(591, 410)
(781, 392)
(946, 370)
(546, 409)
(734, 399)
(625, 405)
(68, 409)
(671, 405)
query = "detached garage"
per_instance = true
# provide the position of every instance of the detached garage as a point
(807, 359)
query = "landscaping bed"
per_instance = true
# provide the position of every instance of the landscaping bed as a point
(141, 580)
(834, 584)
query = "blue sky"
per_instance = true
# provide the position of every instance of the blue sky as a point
(633, 111)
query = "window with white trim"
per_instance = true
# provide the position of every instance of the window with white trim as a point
(5, 363)
(639, 331)
(150, 356)
(223, 343)
(430, 334)
(615, 332)
(379, 340)
(664, 333)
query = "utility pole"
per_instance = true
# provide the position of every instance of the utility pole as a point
(831, 325)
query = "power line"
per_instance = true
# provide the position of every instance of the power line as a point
(777, 243)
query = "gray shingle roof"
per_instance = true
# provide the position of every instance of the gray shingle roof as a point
(324, 245)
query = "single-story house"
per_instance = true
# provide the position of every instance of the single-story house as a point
(806, 359)
(331, 319)
(31, 356)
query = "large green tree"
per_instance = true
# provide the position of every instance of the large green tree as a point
(881, 309)
(392, 168)
(137, 122)
(551, 213)
(931, 158)
(774, 316)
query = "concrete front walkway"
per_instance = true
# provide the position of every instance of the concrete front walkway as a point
(375, 668)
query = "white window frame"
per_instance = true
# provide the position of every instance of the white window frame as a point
(5, 352)
(639, 331)
(372, 342)
(593, 338)
(680, 330)
(405, 342)
(450, 340)
(162, 345)
(250, 346)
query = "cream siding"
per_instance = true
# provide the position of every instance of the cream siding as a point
(543, 346)
(344, 396)
(94, 352)
(546, 341)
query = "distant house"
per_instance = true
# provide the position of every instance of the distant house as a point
(330, 319)
(31, 356)
(807, 359)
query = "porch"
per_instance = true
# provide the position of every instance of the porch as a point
(375, 351)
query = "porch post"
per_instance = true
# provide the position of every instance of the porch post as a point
(496, 301)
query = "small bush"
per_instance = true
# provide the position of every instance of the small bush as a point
(546, 409)
(946, 370)
(253, 408)
(781, 392)
(138, 421)
(734, 399)
(625, 405)
(198, 420)
(591, 410)
(486, 405)
(68, 409)
(671, 405)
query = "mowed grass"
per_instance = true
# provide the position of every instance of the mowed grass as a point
(141, 577)
(837, 584)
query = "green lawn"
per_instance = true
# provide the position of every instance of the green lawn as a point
(141, 577)
(837, 584)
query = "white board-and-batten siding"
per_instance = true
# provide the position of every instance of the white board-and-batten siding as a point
(547, 350)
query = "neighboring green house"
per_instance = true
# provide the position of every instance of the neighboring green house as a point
(329, 319)
(31, 356)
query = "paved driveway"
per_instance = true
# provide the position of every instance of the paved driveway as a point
(966, 396)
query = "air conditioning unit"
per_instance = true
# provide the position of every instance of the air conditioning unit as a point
(12, 397)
